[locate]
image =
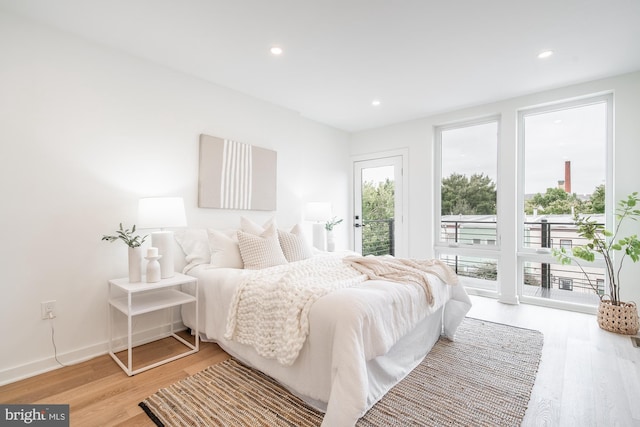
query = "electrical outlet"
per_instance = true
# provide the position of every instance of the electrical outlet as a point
(48, 309)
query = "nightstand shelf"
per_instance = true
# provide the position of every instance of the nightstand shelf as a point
(152, 301)
(134, 299)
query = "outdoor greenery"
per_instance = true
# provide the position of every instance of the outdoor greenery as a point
(476, 195)
(468, 196)
(378, 210)
(556, 201)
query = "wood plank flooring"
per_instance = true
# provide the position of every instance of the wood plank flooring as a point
(587, 377)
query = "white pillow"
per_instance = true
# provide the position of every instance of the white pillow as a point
(195, 245)
(294, 245)
(224, 249)
(260, 251)
(249, 226)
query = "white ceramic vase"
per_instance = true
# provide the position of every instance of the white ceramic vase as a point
(153, 269)
(331, 243)
(135, 264)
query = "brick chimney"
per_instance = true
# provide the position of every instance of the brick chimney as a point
(567, 176)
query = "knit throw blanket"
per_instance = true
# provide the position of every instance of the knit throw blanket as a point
(404, 271)
(270, 309)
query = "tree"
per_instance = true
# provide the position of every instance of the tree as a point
(597, 200)
(556, 201)
(378, 210)
(468, 196)
(378, 200)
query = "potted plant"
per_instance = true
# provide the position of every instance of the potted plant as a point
(613, 314)
(331, 244)
(135, 251)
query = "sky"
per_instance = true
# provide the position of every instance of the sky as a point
(377, 174)
(577, 135)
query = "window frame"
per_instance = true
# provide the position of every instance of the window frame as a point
(437, 131)
(524, 253)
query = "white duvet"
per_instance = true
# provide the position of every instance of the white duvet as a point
(362, 339)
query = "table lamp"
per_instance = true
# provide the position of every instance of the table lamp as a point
(162, 212)
(318, 212)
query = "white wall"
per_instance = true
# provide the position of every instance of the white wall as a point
(85, 131)
(418, 137)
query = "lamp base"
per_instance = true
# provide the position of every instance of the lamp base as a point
(163, 240)
(318, 236)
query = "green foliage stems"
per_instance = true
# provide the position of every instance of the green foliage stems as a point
(332, 223)
(126, 236)
(603, 242)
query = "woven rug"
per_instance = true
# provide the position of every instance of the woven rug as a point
(483, 378)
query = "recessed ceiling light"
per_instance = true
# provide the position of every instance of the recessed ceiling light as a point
(545, 54)
(275, 50)
(375, 102)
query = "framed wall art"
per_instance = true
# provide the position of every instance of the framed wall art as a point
(234, 175)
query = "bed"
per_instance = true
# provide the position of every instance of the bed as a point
(363, 337)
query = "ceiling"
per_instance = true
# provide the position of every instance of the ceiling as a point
(417, 57)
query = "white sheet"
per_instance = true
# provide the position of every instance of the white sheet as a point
(355, 351)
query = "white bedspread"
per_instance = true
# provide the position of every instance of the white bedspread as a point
(349, 330)
(270, 309)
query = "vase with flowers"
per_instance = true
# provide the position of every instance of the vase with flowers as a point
(613, 314)
(134, 242)
(331, 243)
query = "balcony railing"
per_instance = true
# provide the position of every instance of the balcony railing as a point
(553, 280)
(468, 231)
(378, 237)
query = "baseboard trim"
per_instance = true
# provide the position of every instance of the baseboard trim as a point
(31, 369)
(48, 364)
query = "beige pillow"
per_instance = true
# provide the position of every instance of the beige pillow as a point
(294, 245)
(260, 251)
(225, 252)
(249, 226)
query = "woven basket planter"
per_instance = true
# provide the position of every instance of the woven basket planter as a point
(621, 319)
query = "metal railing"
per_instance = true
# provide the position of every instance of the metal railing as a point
(537, 234)
(463, 231)
(544, 234)
(378, 236)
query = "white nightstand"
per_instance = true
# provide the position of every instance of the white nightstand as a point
(133, 299)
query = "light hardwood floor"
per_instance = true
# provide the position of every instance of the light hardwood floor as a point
(587, 377)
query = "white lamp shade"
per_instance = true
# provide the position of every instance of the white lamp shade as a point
(317, 211)
(161, 212)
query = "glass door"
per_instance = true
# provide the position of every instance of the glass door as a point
(378, 217)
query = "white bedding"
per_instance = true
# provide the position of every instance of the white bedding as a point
(362, 340)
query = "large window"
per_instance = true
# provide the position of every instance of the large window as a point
(564, 162)
(468, 235)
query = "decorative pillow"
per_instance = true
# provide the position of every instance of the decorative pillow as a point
(195, 245)
(225, 252)
(249, 226)
(294, 245)
(260, 251)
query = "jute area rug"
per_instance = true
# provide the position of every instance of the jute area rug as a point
(483, 378)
